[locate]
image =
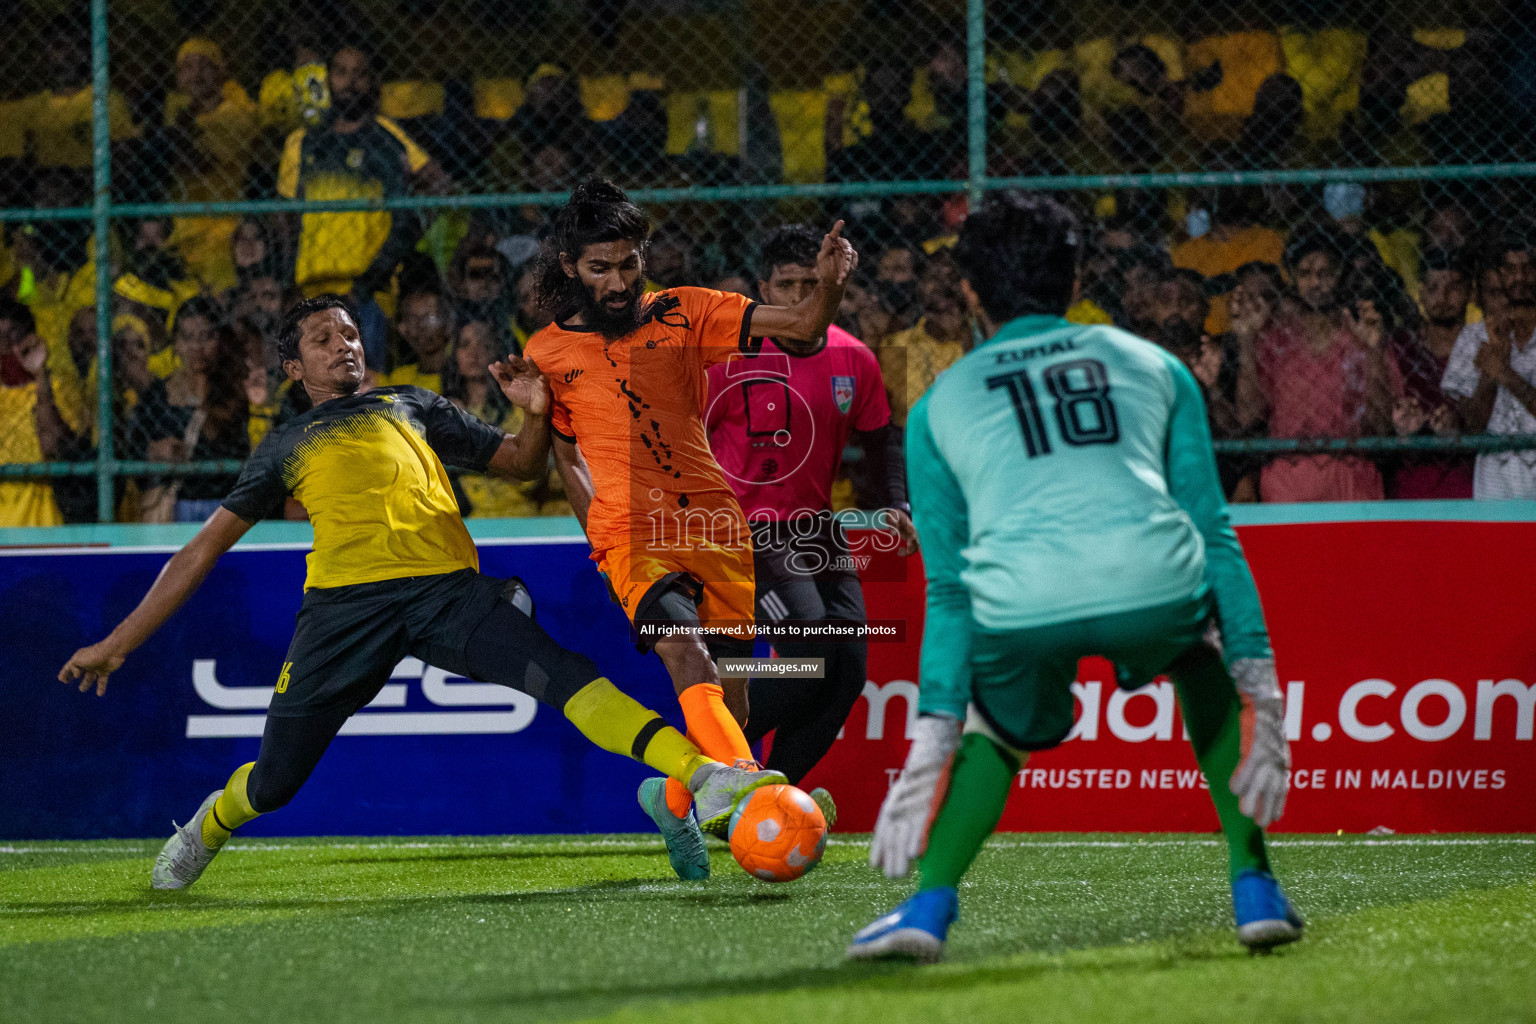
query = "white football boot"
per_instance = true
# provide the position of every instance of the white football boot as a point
(719, 789)
(184, 857)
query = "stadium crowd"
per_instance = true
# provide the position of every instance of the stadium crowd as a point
(1341, 311)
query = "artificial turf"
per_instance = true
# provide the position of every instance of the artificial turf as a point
(1053, 928)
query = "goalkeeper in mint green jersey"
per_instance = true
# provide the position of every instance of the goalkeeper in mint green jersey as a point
(1065, 493)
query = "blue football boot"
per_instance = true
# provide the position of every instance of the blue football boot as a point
(1265, 918)
(685, 843)
(916, 929)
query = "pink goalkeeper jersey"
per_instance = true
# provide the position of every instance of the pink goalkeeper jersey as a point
(778, 423)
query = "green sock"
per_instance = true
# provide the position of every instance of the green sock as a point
(979, 782)
(1213, 714)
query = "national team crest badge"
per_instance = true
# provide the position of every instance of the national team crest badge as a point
(842, 393)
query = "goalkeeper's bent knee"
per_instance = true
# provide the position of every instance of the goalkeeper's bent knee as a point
(621, 725)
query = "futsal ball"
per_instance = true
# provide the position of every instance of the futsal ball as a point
(778, 834)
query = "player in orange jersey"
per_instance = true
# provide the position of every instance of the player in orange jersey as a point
(627, 374)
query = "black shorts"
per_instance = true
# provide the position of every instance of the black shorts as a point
(805, 572)
(349, 639)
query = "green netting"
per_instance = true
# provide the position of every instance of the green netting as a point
(238, 155)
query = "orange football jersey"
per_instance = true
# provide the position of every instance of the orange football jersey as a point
(636, 406)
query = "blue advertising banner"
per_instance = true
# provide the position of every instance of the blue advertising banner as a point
(433, 754)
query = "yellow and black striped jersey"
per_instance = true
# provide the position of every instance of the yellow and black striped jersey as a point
(369, 470)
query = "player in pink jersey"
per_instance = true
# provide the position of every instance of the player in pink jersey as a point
(778, 423)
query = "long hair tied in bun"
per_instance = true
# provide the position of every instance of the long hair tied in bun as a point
(598, 211)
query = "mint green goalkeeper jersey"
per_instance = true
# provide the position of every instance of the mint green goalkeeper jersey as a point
(1062, 472)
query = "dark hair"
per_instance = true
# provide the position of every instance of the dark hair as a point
(1514, 238)
(1382, 287)
(1145, 254)
(289, 331)
(1143, 55)
(228, 408)
(18, 314)
(479, 250)
(1318, 238)
(246, 276)
(795, 245)
(1193, 277)
(431, 288)
(198, 306)
(1020, 253)
(1274, 280)
(453, 381)
(354, 41)
(225, 401)
(598, 211)
(1239, 207)
(1442, 258)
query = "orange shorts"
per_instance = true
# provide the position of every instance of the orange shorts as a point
(726, 576)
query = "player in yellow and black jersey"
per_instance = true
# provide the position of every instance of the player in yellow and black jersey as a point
(393, 573)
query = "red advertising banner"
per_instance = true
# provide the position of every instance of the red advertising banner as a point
(1407, 653)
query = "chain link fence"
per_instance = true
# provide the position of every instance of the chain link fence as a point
(1321, 207)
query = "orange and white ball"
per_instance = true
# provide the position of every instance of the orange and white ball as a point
(778, 834)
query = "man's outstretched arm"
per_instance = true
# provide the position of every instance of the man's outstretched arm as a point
(801, 326)
(182, 575)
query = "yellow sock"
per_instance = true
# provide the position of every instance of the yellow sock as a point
(618, 723)
(231, 810)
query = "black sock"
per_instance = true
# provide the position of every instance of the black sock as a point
(808, 714)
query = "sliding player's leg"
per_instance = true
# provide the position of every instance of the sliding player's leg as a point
(681, 593)
(345, 644)
(481, 627)
(1212, 713)
(713, 707)
(290, 749)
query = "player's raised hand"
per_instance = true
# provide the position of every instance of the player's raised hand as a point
(837, 258)
(92, 665)
(523, 384)
(901, 831)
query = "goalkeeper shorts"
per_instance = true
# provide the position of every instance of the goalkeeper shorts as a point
(1022, 679)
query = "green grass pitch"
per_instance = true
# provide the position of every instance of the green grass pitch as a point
(1053, 928)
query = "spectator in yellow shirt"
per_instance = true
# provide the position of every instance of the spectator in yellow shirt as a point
(31, 427)
(356, 153)
(211, 126)
(296, 95)
(57, 122)
(911, 360)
